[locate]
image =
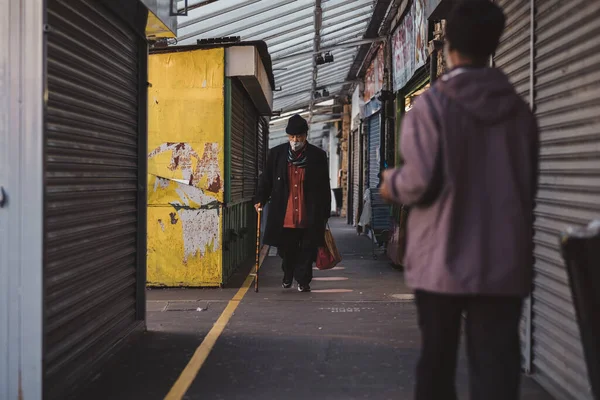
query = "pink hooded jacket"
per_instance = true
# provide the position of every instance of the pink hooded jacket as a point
(475, 236)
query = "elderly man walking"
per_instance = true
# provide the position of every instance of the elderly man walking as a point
(296, 181)
(471, 148)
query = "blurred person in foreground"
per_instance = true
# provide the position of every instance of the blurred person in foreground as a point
(296, 181)
(471, 149)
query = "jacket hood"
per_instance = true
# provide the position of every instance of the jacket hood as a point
(485, 93)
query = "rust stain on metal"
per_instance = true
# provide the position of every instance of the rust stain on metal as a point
(209, 166)
(215, 186)
(174, 219)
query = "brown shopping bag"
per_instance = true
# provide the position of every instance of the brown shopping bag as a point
(328, 256)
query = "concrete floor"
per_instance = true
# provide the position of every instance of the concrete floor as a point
(354, 337)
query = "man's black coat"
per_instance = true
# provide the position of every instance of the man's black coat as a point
(273, 185)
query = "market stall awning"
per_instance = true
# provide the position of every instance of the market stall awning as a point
(289, 27)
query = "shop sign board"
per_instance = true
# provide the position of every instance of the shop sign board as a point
(409, 44)
(374, 76)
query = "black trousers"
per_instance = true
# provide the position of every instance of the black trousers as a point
(493, 346)
(297, 259)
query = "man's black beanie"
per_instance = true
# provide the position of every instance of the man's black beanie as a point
(296, 125)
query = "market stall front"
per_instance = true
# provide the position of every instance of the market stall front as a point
(207, 138)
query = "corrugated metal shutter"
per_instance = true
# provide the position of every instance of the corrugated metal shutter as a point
(91, 189)
(374, 125)
(356, 197)
(513, 56)
(237, 141)
(250, 148)
(513, 53)
(244, 144)
(263, 141)
(566, 93)
(567, 105)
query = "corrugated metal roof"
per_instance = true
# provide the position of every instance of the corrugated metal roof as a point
(288, 28)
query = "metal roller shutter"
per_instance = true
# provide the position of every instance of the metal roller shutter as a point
(250, 149)
(244, 144)
(263, 141)
(356, 197)
(513, 56)
(374, 125)
(94, 235)
(567, 105)
(237, 141)
(513, 53)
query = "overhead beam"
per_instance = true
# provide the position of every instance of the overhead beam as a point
(304, 91)
(316, 49)
(341, 45)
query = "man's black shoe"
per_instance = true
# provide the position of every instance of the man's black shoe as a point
(305, 288)
(286, 285)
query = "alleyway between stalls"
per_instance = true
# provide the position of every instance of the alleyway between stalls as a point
(354, 337)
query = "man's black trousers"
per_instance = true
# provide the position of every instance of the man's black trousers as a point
(297, 259)
(492, 340)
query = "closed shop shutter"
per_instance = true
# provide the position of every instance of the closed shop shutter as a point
(237, 141)
(250, 148)
(356, 176)
(244, 144)
(263, 141)
(513, 53)
(374, 124)
(566, 90)
(94, 211)
(567, 105)
(513, 56)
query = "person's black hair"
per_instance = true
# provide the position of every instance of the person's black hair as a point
(474, 28)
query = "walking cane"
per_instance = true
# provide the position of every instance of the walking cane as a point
(259, 212)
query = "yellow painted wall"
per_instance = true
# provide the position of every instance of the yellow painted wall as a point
(186, 163)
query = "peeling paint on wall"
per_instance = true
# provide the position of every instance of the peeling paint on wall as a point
(184, 235)
(190, 196)
(209, 166)
(199, 215)
(200, 232)
(182, 158)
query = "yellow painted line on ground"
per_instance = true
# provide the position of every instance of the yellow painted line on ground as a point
(191, 370)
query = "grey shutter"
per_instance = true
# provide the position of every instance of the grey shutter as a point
(94, 213)
(237, 141)
(374, 125)
(356, 197)
(263, 141)
(250, 148)
(567, 105)
(513, 53)
(566, 88)
(244, 144)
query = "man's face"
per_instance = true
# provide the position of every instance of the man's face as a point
(297, 142)
(298, 138)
